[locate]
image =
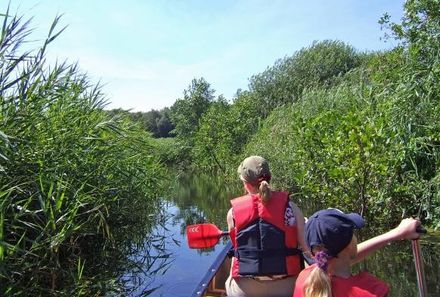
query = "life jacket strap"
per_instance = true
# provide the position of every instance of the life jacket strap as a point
(267, 253)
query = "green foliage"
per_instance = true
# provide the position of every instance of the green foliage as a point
(419, 31)
(416, 102)
(154, 121)
(371, 143)
(186, 114)
(167, 151)
(359, 131)
(212, 139)
(164, 124)
(331, 149)
(223, 131)
(317, 65)
(71, 177)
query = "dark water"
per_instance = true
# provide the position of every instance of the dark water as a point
(170, 268)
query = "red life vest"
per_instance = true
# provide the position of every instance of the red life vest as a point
(359, 285)
(263, 244)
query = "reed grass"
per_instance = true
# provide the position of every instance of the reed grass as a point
(71, 176)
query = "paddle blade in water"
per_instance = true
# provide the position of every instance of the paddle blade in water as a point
(203, 235)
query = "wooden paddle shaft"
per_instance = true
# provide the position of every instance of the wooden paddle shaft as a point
(418, 261)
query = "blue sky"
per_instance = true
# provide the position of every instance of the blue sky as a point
(145, 53)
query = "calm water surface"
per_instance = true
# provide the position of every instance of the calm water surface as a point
(170, 268)
(180, 268)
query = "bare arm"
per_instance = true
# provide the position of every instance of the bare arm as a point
(300, 222)
(230, 220)
(405, 230)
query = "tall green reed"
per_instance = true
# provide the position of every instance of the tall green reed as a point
(72, 179)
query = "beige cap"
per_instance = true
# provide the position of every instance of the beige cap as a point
(254, 170)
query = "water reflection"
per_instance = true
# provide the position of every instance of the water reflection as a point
(150, 257)
(204, 198)
(164, 265)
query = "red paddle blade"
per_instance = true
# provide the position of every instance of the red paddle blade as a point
(203, 235)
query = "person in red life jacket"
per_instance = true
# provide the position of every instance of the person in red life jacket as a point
(329, 233)
(267, 232)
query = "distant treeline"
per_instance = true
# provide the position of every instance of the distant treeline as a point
(157, 122)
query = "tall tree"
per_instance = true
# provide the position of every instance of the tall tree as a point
(186, 113)
(164, 125)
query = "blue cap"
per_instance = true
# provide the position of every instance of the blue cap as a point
(332, 229)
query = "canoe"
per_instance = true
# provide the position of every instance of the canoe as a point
(213, 282)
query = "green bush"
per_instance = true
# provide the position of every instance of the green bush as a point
(353, 130)
(318, 65)
(370, 146)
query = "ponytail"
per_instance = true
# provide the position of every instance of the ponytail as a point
(264, 191)
(318, 283)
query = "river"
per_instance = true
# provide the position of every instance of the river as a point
(168, 267)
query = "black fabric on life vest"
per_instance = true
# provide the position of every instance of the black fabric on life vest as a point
(261, 249)
(231, 252)
(266, 253)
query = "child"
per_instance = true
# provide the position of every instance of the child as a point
(329, 233)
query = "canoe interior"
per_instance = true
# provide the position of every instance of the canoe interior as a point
(216, 287)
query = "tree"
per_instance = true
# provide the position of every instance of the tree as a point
(212, 142)
(186, 113)
(164, 125)
(317, 65)
(149, 120)
(419, 30)
(223, 132)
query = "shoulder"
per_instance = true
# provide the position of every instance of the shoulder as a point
(241, 199)
(363, 283)
(306, 271)
(304, 274)
(302, 277)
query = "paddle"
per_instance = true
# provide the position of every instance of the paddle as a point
(202, 236)
(418, 261)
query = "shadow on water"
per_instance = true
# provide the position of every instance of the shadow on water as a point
(163, 265)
